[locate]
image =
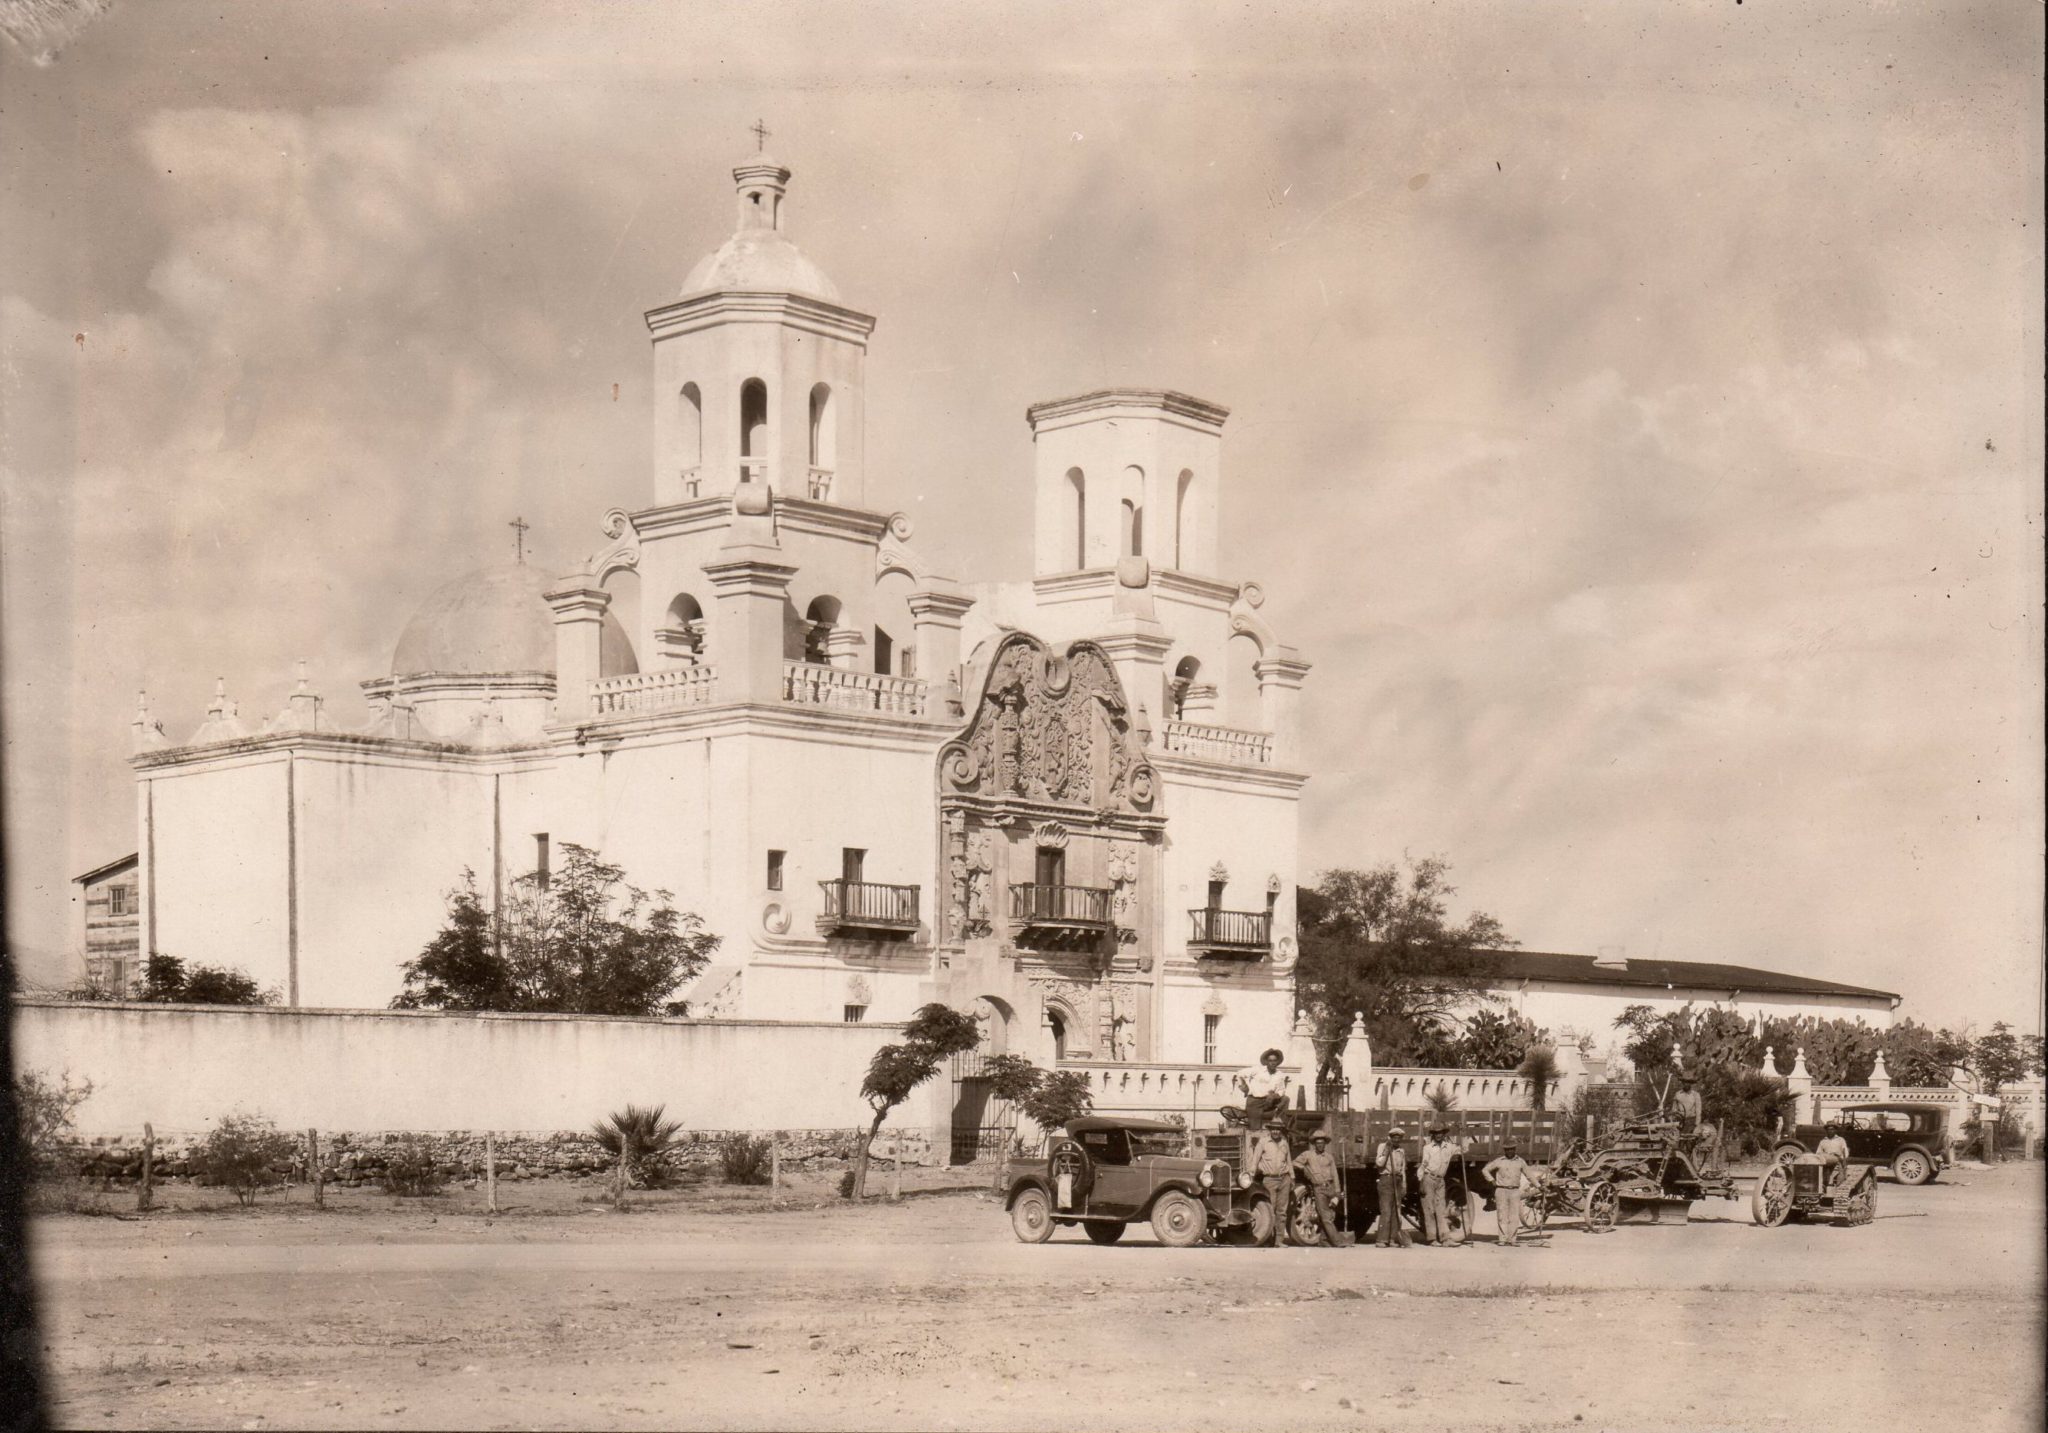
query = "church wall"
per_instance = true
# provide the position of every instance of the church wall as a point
(379, 845)
(1255, 1010)
(425, 1071)
(219, 881)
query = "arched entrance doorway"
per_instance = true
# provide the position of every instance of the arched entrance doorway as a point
(982, 1124)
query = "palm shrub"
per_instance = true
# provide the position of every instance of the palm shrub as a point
(637, 1139)
(1441, 1100)
(744, 1158)
(1539, 1068)
(244, 1153)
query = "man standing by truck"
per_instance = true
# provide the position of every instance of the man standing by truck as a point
(1393, 1166)
(1508, 1173)
(1319, 1172)
(1436, 1167)
(1272, 1164)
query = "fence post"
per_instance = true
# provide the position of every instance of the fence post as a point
(313, 1170)
(896, 1170)
(145, 1192)
(490, 1172)
(775, 1169)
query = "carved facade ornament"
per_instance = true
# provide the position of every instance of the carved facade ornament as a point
(1214, 1006)
(981, 865)
(1122, 869)
(1086, 1022)
(1050, 833)
(1051, 727)
(1220, 872)
(1283, 953)
(624, 552)
(775, 918)
(1273, 884)
(859, 991)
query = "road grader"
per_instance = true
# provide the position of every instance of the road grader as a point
(1648, 1166)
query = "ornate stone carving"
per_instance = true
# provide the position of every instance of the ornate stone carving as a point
(775, 918)
(859, 991)
(1123, 1022)
(1089, 1024)
(1219, 872)
(1283, 953)
(1274, 885)
(1051, 727)
(981, 865)
(1122, 868)
(1049, 833)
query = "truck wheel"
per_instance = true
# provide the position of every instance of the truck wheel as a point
(1910, 1166)
(1031, 1217)
(1771, 1204)
(1101, 1233)
(1786, 1151)
(1177, 1221)
(1302, 1225)
(1257, 1230)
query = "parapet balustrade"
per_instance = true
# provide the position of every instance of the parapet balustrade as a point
(664, 691)
(1219, 743)
(810, 684)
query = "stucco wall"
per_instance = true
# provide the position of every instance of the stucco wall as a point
(181, 1067)
(217, 890)
(1591, 1009)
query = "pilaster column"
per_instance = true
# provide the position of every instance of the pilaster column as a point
(843, 648)
(1301, 1053)
(1138, 647)
(1280, 678)
(579, 605)
(936, 616)
(1880, 1079)
(751, 582)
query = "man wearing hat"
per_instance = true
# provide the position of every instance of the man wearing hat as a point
(1392, 1160)
(1687, 1104)
(1315, 1166)
(1273, 1166)
(1435, 1167)
(1508, 1173)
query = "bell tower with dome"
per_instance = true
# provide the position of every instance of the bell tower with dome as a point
(758, 367)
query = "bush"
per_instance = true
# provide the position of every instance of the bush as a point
(744, 1158)
(846, 1185)
(410, 1169)
(43, 1107)
(244, 1153)
(639, 1138)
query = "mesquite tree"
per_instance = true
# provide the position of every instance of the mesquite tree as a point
(934, 1033)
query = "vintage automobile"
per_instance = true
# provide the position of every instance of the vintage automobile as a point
(1106, 1174)
(1911, 1140)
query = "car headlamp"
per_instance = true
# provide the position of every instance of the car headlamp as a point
(1207, 1179)
(1244, 1181)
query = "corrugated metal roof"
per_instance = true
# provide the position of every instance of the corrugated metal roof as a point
(1509, 965)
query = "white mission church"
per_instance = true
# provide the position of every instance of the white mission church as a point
(1073, 799)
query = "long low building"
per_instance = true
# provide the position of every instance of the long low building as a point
(1581, 995)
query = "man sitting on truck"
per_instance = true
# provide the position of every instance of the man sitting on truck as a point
(1835, 1150)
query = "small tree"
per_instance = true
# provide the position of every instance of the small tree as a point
(43, 1109)
(1056, 1097)
(744, 1158)
(582, 941)
(167, 981)
(934, 1033)
(2000, 1058)
(243, 1152)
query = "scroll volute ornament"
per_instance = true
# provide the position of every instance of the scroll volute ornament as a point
(1051, 727)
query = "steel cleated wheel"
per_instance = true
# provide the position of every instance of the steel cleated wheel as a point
(1771, 1204)
(1603, 1207)
(1863, 1203)
(1536, 1206)
(1103, 1233)
(1031, 1216)
(1177, 1221)
(1302, 1225)
(1910, 1166)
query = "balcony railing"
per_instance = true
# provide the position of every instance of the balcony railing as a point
(809, 684)
(868, 905)
(1219, 743)
(1230, 932)
(664, 691)
(1076, 907)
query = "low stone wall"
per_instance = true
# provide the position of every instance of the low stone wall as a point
(354, 1158)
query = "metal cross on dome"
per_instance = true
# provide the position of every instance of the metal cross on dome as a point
(519, 526)
(760, 132)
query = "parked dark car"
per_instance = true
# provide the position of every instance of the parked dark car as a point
(1106, 1174)
(1910, 1140)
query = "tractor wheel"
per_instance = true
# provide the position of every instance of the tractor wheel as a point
(1862, 1205)
(1786, 1151)
(1536, 1208)
(1302, 1225)
(1910, 1166)
(1177, 1221)
(1771, 1204)
(1603, 1207)
(1031, 1216)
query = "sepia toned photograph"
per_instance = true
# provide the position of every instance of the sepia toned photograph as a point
(1028, 716)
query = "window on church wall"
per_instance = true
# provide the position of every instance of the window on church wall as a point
(1210, 1025)
(690, 427)
(1240, 695)
(1216, 895)
(1078, 481)
(775, 870)
(1180, 516)
(540, 860)
(1132, 536)
(1051, 866)
(821, 618)
(822, 425)
(1058, 1025)
(885, 652)
(1185, 674)
(852, 862)
(754, 427)
(855, 1014)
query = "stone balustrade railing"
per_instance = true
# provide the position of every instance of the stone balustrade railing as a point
(1218, 743)
(843, 689)
(663, 691)
(1197, 1091)
(1472, 1089)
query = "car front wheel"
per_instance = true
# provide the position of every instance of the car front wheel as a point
(1031, 1217)
(1178, 1221)
(1103, 1233)
(1910, 1166)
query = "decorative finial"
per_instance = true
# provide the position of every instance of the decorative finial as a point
(519, 526)
(760, 132)
(301, 687)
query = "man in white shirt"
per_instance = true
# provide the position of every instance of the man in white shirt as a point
(1265, 1093)
(1435, 1166)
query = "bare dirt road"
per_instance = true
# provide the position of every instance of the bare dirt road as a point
(928, 1314)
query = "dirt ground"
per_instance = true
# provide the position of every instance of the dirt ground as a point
(715, 1310)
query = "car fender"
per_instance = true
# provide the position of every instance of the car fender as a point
(1024, 1182)
(1167, 1186)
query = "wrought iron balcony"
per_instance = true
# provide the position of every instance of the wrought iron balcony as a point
(868, 906)
(1060, 915)
(1244, 934)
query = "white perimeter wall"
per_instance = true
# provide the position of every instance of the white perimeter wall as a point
(1591, 1009)
(182, 1067)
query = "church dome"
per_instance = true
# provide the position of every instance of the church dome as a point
(496, 621)
(759, 261)
(490, 621)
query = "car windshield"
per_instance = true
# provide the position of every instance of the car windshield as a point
(1159, 1142)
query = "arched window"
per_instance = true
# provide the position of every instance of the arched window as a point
(1059, 1034)
(1180, 517)
(1078, 481)
(1133, 534)
(822, 442)
(819, 619)
(753, 429)
(1184, 677)
(681, 638)
(690, 430)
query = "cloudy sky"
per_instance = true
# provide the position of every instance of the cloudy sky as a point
(1636, 408)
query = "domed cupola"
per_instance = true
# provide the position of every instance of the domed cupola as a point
(759, 369)
(477, 660)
